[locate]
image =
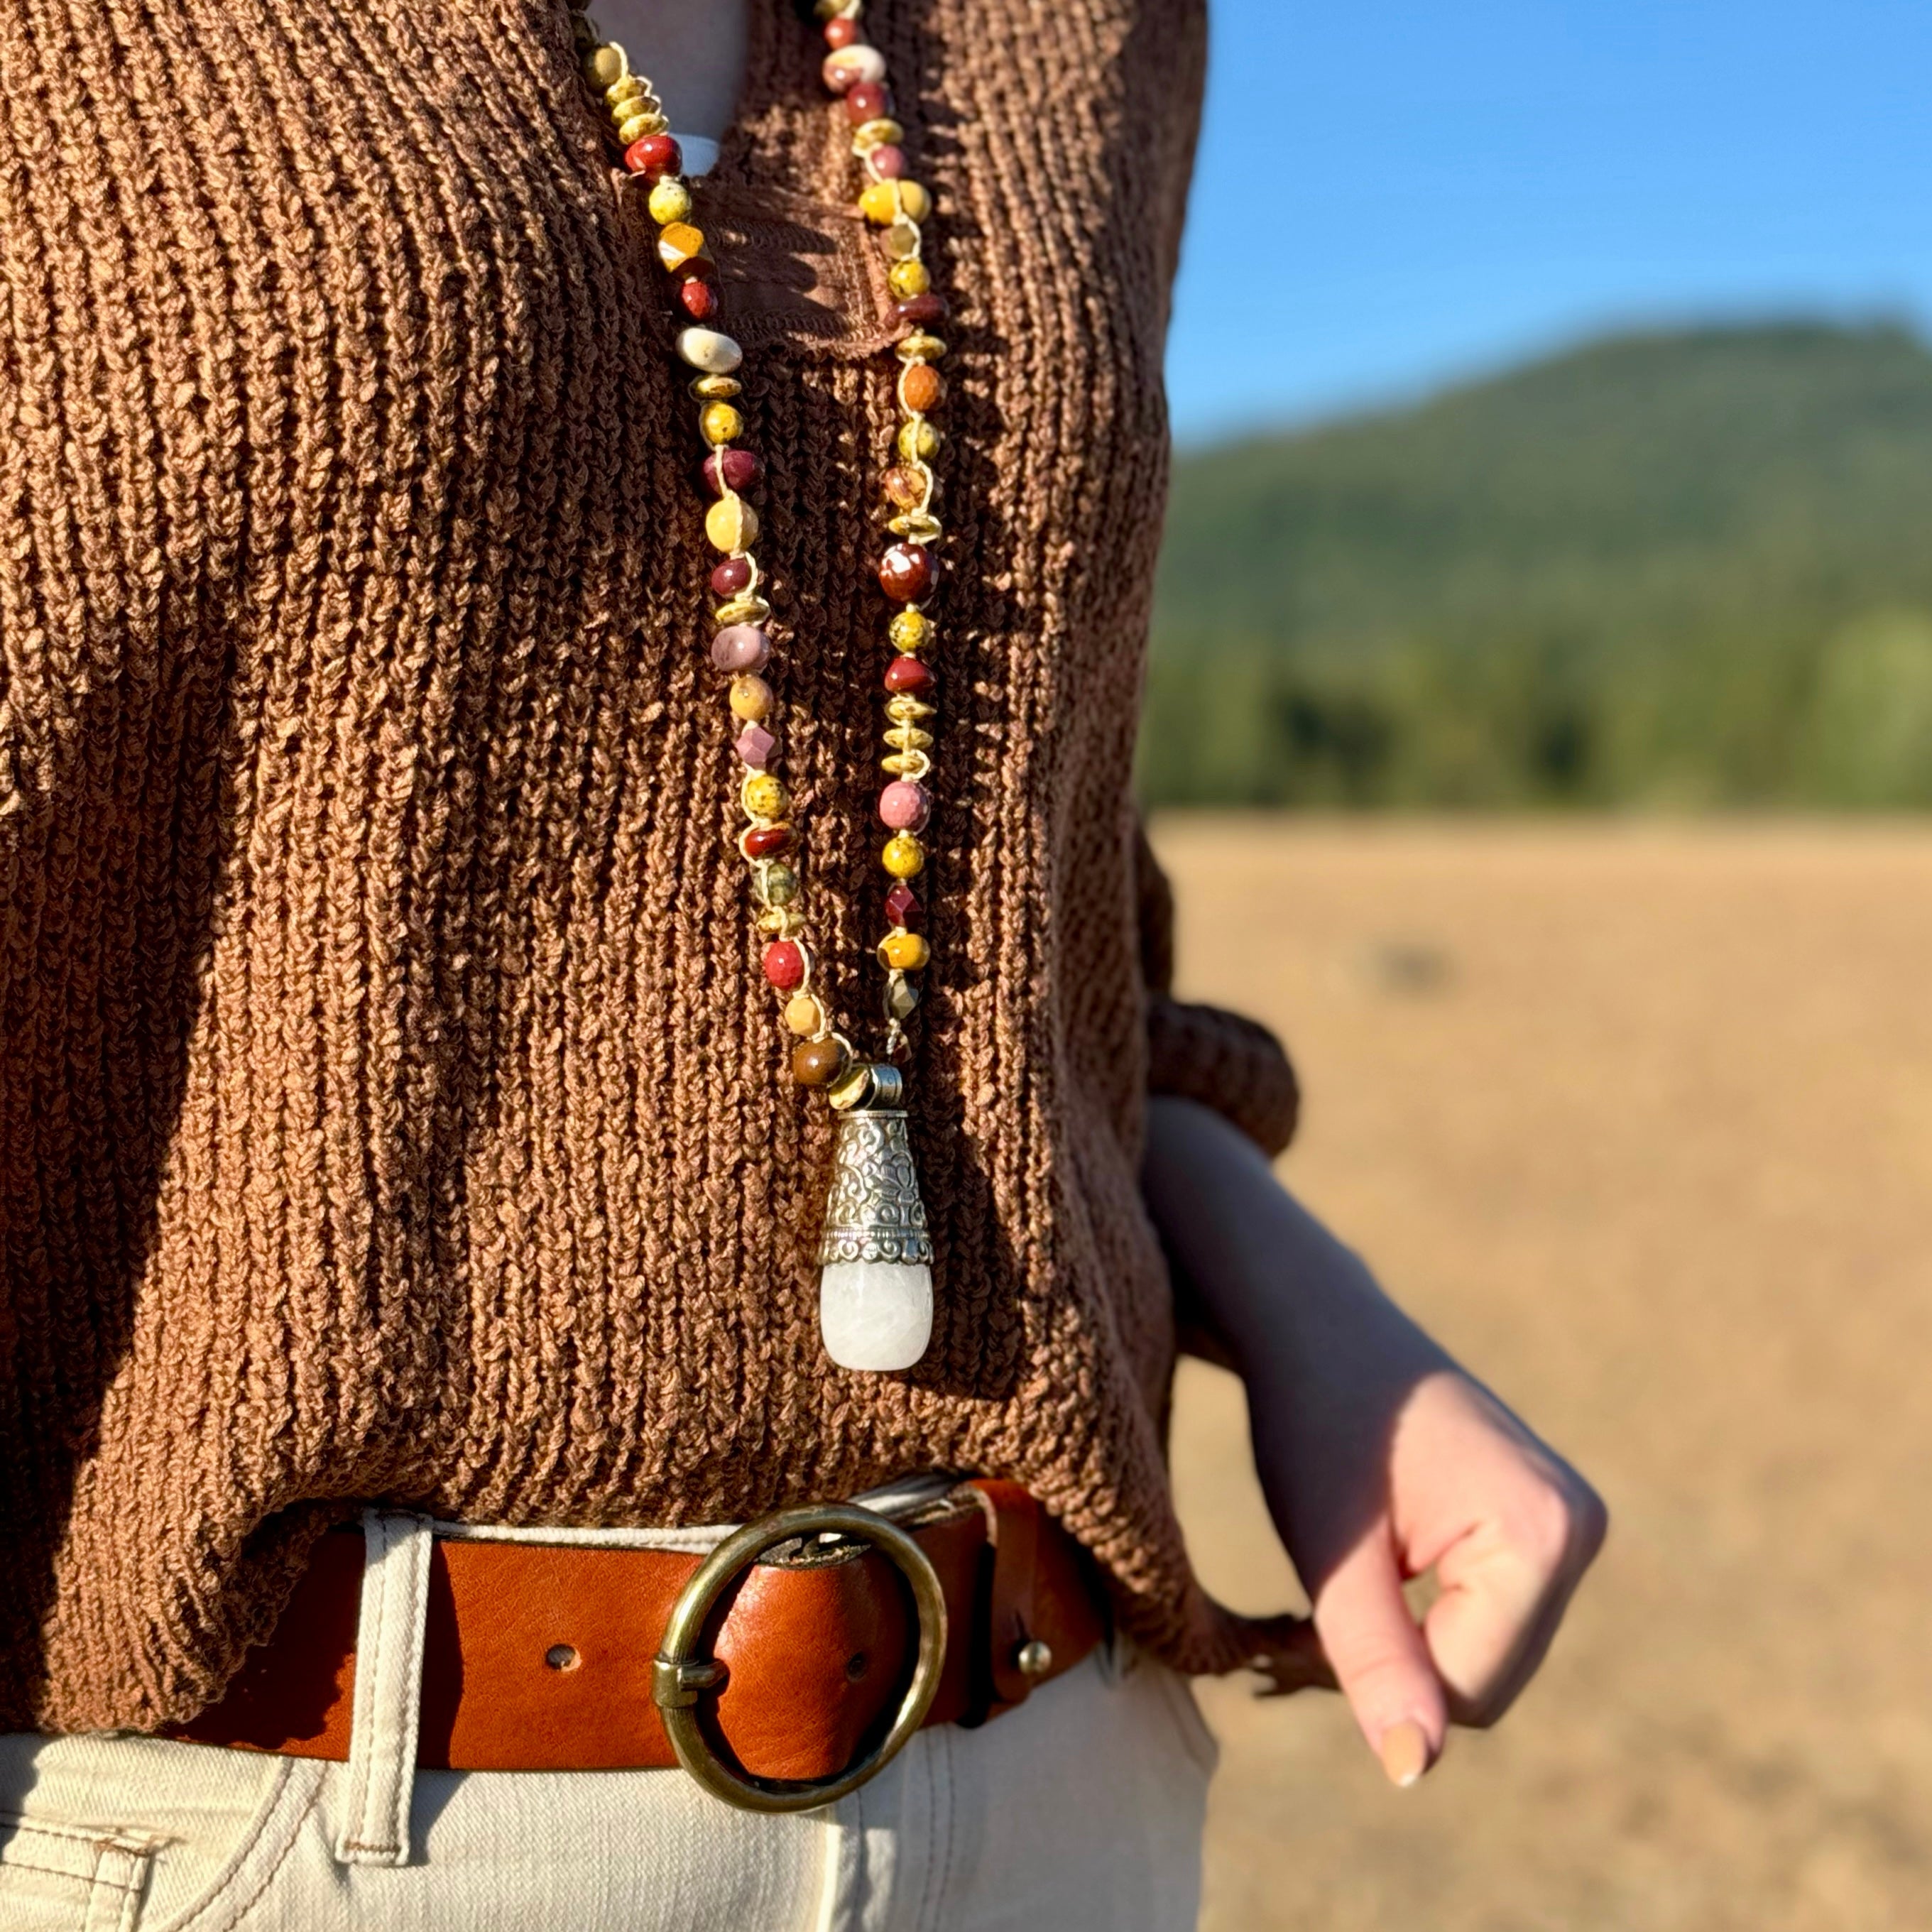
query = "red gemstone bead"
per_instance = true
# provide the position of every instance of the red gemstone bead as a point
(910, 676)
(924, 309)
(903, 908)
(888, 162)
(784, 964)
(731, 576)
(741, 469)
(840, 33)
(698, 299)
(906, 572)
(760, 841)
(868, 100)
(655, 155)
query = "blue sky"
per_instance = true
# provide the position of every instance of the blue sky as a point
(1394, 194)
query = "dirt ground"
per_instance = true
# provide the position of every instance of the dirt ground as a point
(1638, 1119)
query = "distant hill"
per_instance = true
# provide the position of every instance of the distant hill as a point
(1691, 568)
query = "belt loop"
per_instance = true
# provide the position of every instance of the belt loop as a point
(1013, 1529)
(381, 1779)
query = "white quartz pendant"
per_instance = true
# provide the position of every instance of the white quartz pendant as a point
(875, 1256)
(875, 1314)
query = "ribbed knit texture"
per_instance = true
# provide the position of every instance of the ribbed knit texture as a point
(390, 1106)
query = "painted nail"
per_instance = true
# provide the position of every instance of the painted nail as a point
(1405, 1752)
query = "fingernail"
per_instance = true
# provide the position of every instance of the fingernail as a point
(1405, 1752)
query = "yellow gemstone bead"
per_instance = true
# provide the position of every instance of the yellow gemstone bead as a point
(918, 440)
(628, 87)
(716, 388)
(883, 132)
(908, 278)
(635, 127)
(670, 201)
(906, 952)
(911, 630)
(886, 202)
(764, 797)
(900, 241)
(721, 423)
(751, 698)
(730, 523)
(920, 348)
(904, 857)
(605, 65)
(804, 1015)
(679, 243)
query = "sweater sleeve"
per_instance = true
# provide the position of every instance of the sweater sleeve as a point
(1202, 1053)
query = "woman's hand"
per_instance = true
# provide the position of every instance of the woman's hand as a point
(1380, 1458)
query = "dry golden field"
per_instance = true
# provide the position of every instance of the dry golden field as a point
(1638, 1119)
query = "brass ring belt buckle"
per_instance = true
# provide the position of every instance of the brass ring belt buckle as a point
(682, 1674)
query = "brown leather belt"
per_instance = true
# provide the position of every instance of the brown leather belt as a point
(540, 1657)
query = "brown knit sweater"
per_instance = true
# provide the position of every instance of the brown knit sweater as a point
(390, 1106)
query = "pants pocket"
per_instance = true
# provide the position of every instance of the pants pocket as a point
(60, 1878)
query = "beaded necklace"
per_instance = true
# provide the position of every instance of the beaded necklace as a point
(875, 1295)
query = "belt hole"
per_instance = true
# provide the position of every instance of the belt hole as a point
(856, 1665)
(562, 1657)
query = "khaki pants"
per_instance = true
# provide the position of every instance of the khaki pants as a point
(1081, 1809)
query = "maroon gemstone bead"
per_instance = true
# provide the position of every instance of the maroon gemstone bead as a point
(903, 908)
(840, 33)
(909, 675)
(741, 469)
(889, 162)
(906, 572)
(760, 841)
(653, 156)
(731, 576)
(868, 100)
(924, 309)
(697, 299)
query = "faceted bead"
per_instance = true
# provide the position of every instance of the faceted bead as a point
(741, 468)
(670, 199)
(868, 100)
(906, 675)
(731, 524)
(842, 32)
(784, 964)
(904, 952)
(721, 423)
(903, 908)
(911, 630)
(921, 386)
(760, 841)
(922, 309)
(816, 1062)
(889, 162)
(905, 806)
(919, 441)
(851, 66)
(755, 745)
(740, 647)
(751, 697)
(780, 885)
(697, 299)
(679, 242)
(654, 157)
(764, 797)
(904, 486)
(906, 572)
(803, 1014)
(903, 856)
(709, 351)
(902, 998)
